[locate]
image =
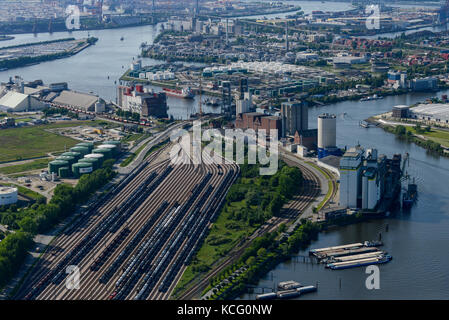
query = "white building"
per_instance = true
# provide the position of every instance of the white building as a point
(8, 195)
(244, 105)
(350, 171)
(19, 102)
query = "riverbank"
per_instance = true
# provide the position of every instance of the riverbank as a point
(431, 139)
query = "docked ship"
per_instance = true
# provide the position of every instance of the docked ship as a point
(185, 93)
(374, 97)
(384, 258)
(409, 197)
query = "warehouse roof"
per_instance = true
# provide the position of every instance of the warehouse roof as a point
(76, 99)
(434, 109)
(12, 99)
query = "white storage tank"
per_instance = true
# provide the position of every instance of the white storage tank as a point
(8, 195)
(327, 130)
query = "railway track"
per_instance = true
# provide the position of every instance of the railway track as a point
(72, 235)
(121, 230)
(311, 189)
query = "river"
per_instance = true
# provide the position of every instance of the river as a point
(417, 240)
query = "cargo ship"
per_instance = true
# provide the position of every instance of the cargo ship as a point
(359, 263)
(185, 93)
(409, 197)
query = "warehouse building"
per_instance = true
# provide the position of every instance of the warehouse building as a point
(19, 102)
(76, 100)
(437, 112)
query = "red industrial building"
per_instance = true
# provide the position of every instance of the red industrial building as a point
(256, 121)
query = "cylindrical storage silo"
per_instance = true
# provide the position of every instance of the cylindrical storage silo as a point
(88, 145)
(76, 155)
(81, 168)
(98, 156)
(110, 146)
(64, 172)
(107, 153)
(82, 150)
(116, 143)
(53, 167)
(69, 159)
(94, 161)
(327, 131)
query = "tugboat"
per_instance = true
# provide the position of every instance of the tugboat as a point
(409, 197)
(185, 93)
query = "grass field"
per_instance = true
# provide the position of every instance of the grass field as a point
(34, 165)
(30, 142)
(439, 136)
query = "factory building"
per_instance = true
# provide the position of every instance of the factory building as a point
(8, 195)
(366, 178)
(294, 118)
(256, 121)
(138, 99)
(327, 136)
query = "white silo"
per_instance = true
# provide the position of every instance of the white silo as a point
(327, 131)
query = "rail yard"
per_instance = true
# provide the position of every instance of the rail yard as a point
(135, 242)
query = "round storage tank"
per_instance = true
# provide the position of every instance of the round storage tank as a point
(54, 166)
(64, 172)
(107, 153)
(93, 161)
(327, 130)
(76, 155)
(88, 145)
(110, 146)
(116, 143)
(82, 150)
(8, 195)
(69, 159)
(98, 156)
(81, 168)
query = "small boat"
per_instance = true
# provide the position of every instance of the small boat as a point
(122, 38)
